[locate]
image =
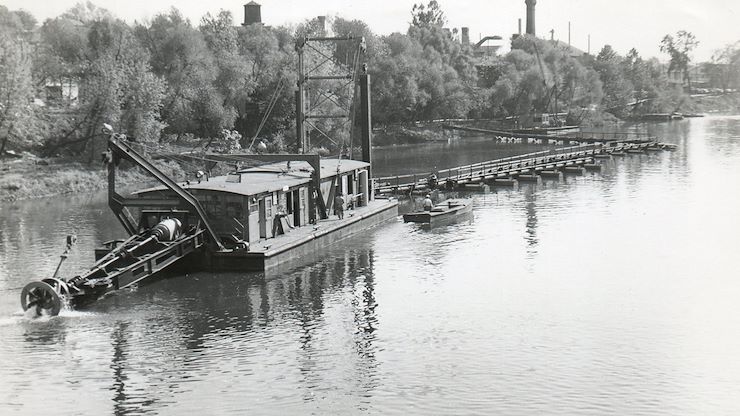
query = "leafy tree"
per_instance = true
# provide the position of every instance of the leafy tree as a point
(88, 49)
(635, 72)
(16, 21)
(16, 89)
(542, 77)
(221, 36)
(422, 76)
(355, 28)
(118, 85)
(270, 58)
(617, 90)
(395, 73)
(452, 66)
(425, 74)
(429, 15)
(651, 90)
(679, 49)
(180, 55)
(85, 13)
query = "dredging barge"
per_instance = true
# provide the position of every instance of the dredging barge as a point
(252, 219)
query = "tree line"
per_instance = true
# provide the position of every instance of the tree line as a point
(168, 80)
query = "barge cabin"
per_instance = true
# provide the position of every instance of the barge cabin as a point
(259, 203)
(264, 215)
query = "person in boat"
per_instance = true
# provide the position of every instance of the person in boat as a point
(339, 206)
(428, 204)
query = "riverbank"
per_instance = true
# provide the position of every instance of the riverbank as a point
(411, 133)
(29, 177)
(423, 132)
(724, 103)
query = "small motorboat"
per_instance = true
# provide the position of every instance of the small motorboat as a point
(446, 212)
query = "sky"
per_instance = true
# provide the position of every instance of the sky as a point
(623, 24)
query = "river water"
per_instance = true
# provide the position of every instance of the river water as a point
(608, 293)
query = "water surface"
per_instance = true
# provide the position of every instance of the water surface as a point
(609, 293)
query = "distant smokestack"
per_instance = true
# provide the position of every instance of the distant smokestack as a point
(568, 33)
(552, 34)
(252, 14)
(520, 26)
(465, 36)
(530, 16)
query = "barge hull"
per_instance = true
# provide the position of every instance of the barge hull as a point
(299, 242)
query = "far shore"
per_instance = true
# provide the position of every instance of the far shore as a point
(28, 177)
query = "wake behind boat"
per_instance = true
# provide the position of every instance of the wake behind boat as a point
(445, 212)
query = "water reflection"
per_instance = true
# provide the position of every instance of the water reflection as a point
(37, 230)
(530, 198)
(223, 317)
(401, 160)
(561, 298)
(127, 398)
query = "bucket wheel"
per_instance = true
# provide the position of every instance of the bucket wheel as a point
(45, 296)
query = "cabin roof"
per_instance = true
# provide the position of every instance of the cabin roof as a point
(268, 178)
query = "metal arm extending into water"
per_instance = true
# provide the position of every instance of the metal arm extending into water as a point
(148, 250)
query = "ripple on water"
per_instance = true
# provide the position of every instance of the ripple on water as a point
(600, 294)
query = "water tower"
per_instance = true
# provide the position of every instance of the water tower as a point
(252, 13)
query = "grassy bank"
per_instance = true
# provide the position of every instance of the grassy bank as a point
(724, 103)
(29, 177)
(407, 134)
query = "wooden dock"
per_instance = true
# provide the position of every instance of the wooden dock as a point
(568, 160)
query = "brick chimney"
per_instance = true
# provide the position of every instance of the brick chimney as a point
(530, 16)
(252, 14)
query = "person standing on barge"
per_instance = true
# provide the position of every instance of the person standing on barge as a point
(339, 206)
